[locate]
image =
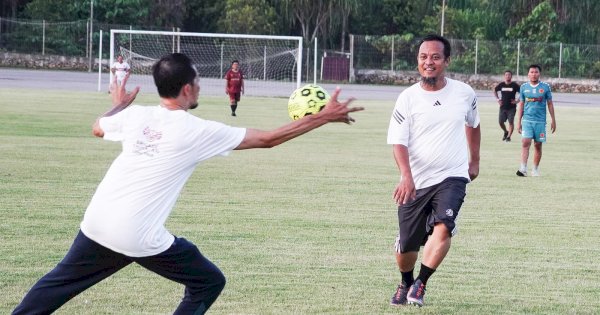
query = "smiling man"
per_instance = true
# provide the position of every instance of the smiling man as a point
(434, 130)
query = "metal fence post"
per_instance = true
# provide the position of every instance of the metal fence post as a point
(43, 37)
(560, 60)
(518, 55)
(476, 49)
(392, 64)
(351, 58)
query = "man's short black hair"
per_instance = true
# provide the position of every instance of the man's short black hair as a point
(171, 73)
(235, 61)
(505, 71)
(435, 37)
(535, 66)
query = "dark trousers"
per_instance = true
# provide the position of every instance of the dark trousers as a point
(87, 263)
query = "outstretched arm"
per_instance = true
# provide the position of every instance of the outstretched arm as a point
(120, 99)
(333, 112)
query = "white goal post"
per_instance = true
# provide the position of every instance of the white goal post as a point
(272, 65)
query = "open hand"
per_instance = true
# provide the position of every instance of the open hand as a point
(336, 111)
(120, 96)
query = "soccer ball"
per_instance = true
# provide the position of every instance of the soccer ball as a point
(307, 100)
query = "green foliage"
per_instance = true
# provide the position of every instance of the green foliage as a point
(203, 16)
(55, 10)
(539, 26)
(248, 17)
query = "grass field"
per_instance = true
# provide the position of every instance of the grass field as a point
(308, 227)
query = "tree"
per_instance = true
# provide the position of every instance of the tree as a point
(539, 26)
(203, 16)
(248, 17)
(311, 15)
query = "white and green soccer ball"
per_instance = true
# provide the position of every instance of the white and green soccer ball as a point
(307, 100)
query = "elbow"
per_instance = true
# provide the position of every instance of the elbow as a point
(97, 131)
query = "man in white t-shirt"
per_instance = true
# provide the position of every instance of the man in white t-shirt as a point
(434, 130)
(120, 69)
(124, 222)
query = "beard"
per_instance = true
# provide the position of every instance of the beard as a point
(429, 81)
(194, 105)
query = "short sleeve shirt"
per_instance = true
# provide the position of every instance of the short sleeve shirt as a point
(234, 81)
(160, 150)
(507, 93)
(535, 99)
(432, 127)
(121, 69)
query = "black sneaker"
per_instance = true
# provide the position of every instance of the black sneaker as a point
(507, 139)
(416, 293)
(505, 136)
(399, 298)
(521, 174)
(233, 114)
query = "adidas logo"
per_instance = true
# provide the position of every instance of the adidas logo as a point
(437, 103)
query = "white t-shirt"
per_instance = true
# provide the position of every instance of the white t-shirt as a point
(161, 149)
(432, 126)
(120, 69)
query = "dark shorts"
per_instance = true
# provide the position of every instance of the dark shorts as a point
(234, 97)
(436, 204)
(507, 114)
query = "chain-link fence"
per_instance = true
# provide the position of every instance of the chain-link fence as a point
(480, 57)
(391, 52)
(72, 39)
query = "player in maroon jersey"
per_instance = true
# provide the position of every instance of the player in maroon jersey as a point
(234, 85)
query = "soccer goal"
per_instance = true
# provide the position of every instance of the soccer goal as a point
(271, 64)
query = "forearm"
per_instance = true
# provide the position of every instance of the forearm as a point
(268, 139)
(551, 110)
(402, 160)
(474, 142)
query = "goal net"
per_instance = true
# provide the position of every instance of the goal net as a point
(271, 64)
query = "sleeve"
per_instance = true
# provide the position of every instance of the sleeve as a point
(113, 125)
(218, 139)
(549, 93)
(399, 128)
(472, 119)
(497, 88)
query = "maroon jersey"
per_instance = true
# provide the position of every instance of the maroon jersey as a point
(234, 81)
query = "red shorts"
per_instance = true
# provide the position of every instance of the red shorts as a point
(234, 97)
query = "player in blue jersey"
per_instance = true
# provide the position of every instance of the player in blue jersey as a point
(534, 97)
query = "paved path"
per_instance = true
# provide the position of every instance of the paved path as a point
(88, 81)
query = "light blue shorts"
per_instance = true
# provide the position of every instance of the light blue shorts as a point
(534, 130)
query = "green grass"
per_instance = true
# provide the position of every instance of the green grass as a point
(308, 227)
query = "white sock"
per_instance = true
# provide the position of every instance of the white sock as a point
(523, 168)
(536, 168)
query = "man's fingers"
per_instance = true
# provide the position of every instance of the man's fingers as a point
(355, 109)
(336, 94)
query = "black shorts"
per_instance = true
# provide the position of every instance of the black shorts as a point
(507, 114)
(436, 204)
